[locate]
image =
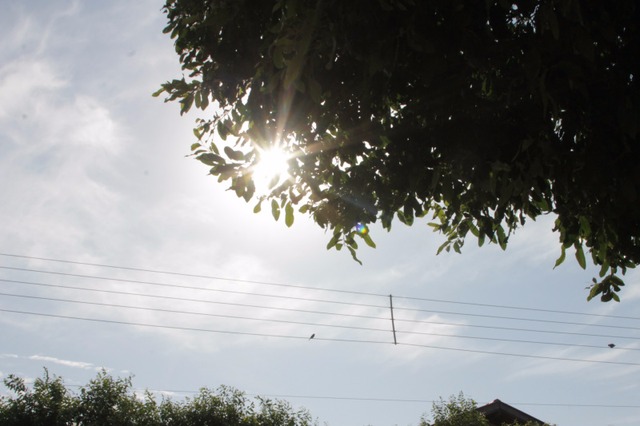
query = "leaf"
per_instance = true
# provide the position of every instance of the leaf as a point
(559, 261)
(334, 240)
(442, 247)
(186, 103)
(604, 268)
(595, 290)
(275, 210)
(580, 256)
(258, 207)
(502, 238)
(233, 154)
(210, 159)
(353, 254)
(367, 239)
(585, 228)
(288, 215)
(473, 228)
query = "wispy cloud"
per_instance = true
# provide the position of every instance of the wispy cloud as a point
(65, 362)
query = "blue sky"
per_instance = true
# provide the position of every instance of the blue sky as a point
(94, 170)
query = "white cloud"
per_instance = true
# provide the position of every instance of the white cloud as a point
(22, 83)
(66, 363)
(9, 356)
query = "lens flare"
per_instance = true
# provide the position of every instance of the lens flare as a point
(362, 229)
(271, 170)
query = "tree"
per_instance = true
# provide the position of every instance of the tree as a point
(462, 411)
(111, 401)
(49, 403)
(479, 114)
(458, 411)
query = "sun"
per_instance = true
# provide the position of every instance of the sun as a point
(271, 170)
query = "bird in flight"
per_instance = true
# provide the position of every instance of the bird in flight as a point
(612, 345)
(312, 336)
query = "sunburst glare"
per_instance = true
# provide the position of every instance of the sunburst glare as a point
(271, 170)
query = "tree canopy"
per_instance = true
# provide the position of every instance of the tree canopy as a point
(457, 411)
(477, 114)
(462, 411)
(111, 401)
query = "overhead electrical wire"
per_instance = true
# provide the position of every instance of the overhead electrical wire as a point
(519, 308)
(183, 274)
(212, 277)
(397, 308)
(327, 339)
(186, 299)
(528, 330)
(432, 311)
(207, 314)
(400, 332)
(371, 399)
(157, 284)
(386, 319)
(467, 314)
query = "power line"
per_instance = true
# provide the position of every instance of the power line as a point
(318, 312)
(521, 308)
(315, 300)
(374, 399)
(172, 311)
(171, 327)
(185, 299)
(431, 311)
(495, 339)
(213, 277)
(327, 339)
(182, 274)
(518, 355)
(529, 330)
(157, 284)
(419, 401)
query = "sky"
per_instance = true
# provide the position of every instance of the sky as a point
(195, 290)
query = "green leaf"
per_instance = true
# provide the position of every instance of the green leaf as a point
(474, 229)
(563, 255)
(233, 154)
(367, 239)
(288, 216)
(604, 268)
(334, 240)
(585, 228)
(258, 207)
(353, 254)
(580, 256)
(595, 290)
(275, 210)
(502, 238)
(210, 159)
(442, 247)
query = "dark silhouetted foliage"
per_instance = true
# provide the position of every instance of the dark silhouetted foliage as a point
(480, 114)
(111, 401)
